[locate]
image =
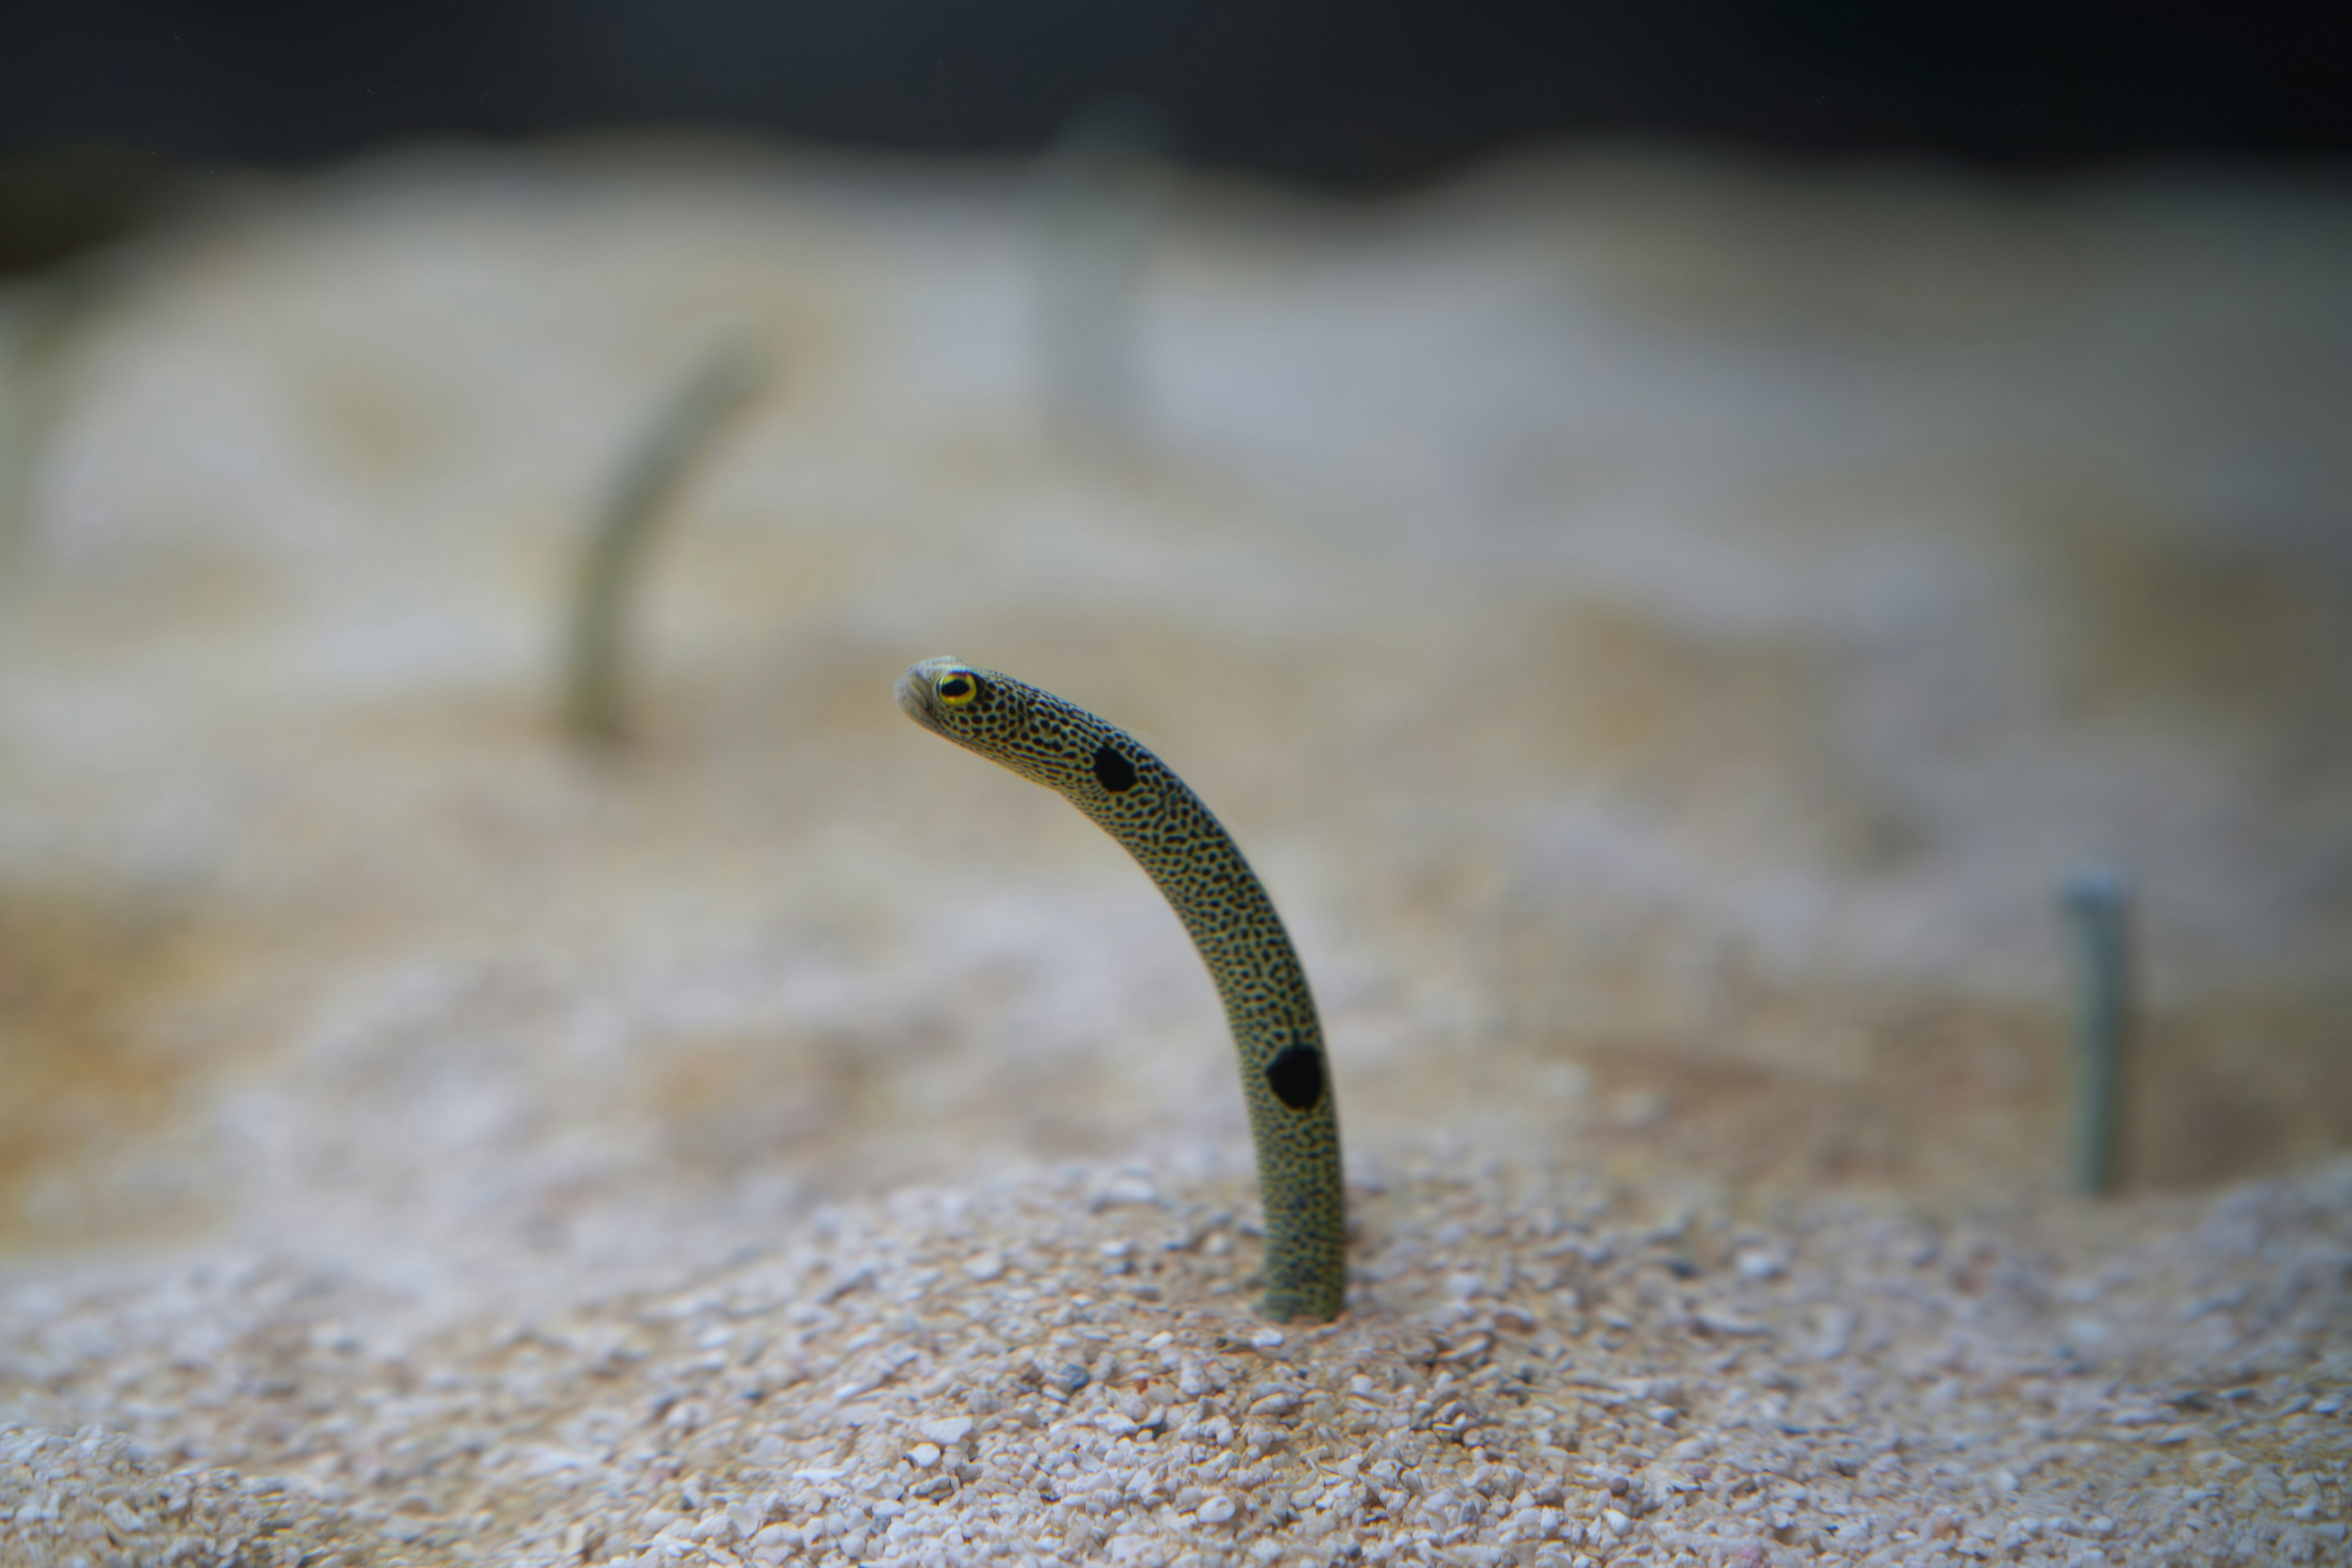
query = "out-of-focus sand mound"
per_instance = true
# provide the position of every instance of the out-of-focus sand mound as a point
(1661, 631)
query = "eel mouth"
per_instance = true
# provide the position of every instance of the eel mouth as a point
(916, 699)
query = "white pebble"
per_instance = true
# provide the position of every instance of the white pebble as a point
(1214, 1511)
(1617, 1522)
(1267, 1339)
(1129, 1189)
(947, 1431)
(924, 1454)
(984, 1265)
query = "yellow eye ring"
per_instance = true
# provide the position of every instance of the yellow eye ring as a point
(957, 688)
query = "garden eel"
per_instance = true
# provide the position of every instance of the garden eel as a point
(1137, 799)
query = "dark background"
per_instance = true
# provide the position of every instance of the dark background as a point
(100, 99)
(1343, 93)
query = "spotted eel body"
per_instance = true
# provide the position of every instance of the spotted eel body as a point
(1138, 800)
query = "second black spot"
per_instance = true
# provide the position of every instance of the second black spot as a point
(1116, 773)
(1296, 1076)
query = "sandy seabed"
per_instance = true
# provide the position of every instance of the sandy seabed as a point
(1661, 629)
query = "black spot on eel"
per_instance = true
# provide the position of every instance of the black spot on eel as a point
(1136, 798)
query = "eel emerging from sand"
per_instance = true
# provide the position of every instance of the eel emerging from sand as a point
(1135, 797)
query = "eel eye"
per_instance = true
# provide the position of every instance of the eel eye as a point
(957, 689)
